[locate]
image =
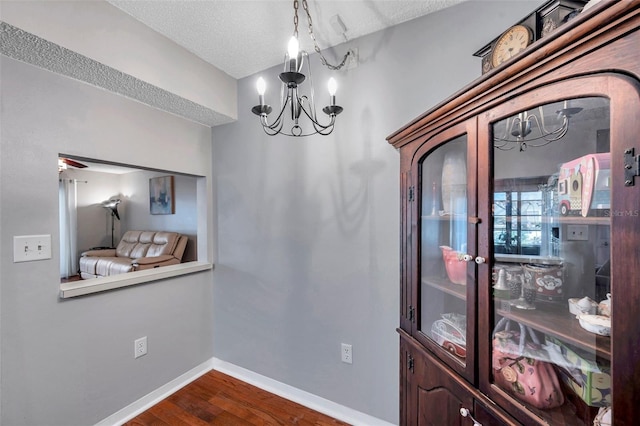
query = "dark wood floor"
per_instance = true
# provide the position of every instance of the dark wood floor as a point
(71, 279)
(219, 399)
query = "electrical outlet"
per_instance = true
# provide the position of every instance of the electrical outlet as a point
(347, 354)
(577, 232)
(140, 347)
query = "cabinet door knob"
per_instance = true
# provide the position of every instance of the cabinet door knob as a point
(467, 258)
(480, 260)
(464, 412)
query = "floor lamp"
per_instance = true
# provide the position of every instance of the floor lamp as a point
(112, 205)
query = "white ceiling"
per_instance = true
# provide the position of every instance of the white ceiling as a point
(242, 37)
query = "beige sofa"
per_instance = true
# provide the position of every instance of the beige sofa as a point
(136, 251)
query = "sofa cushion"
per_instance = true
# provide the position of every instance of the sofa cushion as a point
(128, 243)
(139, 250)
(163, 243)
(113, 266)
(88, 264)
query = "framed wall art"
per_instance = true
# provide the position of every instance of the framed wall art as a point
(161, 196)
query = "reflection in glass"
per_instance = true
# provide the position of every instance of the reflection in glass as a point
(550, 225)
(443, 246)
(531, 128)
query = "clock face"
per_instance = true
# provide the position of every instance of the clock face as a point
(513, 41)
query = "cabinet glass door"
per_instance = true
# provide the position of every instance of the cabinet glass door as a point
(444, 271)
(551, 259)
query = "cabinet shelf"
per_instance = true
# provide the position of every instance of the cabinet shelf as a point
(558, 322)
(560, 220)
(579, 220)
(523, 258)
(446, 286)
(462, 217)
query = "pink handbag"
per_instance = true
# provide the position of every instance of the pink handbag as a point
(520, 367)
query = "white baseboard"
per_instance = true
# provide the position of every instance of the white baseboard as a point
(148, 401)
(337, 411)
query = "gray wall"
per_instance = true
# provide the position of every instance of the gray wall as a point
(71, 362)
(308, 229)
(307, 233)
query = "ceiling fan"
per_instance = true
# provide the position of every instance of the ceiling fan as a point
(63, 162)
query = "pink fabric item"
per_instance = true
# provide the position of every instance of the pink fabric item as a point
(528, 378)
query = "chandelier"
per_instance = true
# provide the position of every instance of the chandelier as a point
(294, 104)
(533, 127)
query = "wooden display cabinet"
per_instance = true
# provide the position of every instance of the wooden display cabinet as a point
(519, 192)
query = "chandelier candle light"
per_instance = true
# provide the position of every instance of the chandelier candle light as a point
(292, 77)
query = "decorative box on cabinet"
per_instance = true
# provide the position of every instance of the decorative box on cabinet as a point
(486, 243)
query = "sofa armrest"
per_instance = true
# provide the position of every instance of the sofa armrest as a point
(153, 259)
(142, 263)
(100, 253)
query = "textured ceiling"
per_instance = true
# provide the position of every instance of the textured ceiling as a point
(23, 46)
(239, 37)
(242, 37)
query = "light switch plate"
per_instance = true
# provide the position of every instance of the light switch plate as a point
(27, 248)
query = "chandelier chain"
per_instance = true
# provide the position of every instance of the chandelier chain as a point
(295, 18)
(324, 61)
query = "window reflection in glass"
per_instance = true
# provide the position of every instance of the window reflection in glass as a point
(551, 235)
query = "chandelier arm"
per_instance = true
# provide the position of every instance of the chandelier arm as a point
(564, 128)
(565, 123)
(528, 140)
(549, 137)
(540, 123)
(519, 130)
(276, 129)
(507, 126)
(547, 141)
(316, 124)
(327, 130)
(544, 133)
(268, 128)
(280, 132)
(278, 122)
(505, 142)
(295, 106)
(312, 105)
(272, 131)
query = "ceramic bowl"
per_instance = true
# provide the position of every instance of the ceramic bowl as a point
(582, 306)
(455, 266)
(598, 324)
